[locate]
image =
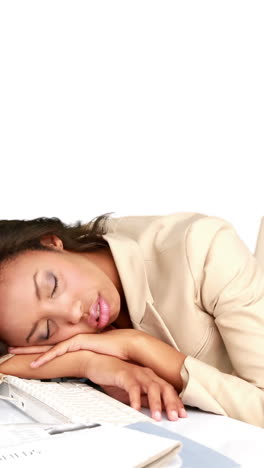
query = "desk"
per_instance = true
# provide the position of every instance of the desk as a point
(240, 441)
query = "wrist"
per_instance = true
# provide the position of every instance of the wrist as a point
(135, 345)
(83, 363)
(103, 369)
(162, 358)
(69, 364)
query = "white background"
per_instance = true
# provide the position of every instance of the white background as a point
(132, 107)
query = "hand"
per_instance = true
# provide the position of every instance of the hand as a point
(126, 344)
(114, 343)
(135, 382)
(122, 379)
(122, 395)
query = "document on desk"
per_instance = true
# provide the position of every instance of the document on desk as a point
(193, 454)
(97, 445)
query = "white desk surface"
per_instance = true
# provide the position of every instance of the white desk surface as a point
(240, 441)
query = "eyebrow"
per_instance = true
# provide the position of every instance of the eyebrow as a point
(33, 329)
(36, 285)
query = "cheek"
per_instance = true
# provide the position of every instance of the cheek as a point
(16, 339)
(77, 282)
(15, 331)
(65, 332)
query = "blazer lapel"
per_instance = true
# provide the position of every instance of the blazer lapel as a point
(131, 268)
(153, 324)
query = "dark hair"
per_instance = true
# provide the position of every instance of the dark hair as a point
(16, 236)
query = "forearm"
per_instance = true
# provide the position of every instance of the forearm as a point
(68, 365)
(162, 358)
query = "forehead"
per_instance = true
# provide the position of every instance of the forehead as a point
(17, 286)
(29, 261)
(18, 301)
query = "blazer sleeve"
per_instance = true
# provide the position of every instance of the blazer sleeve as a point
(230, 287)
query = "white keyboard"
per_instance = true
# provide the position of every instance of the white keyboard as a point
(71, 401)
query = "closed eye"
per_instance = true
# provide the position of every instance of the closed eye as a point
(56, 284)
(48, 331)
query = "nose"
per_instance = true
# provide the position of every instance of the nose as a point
(75, 313)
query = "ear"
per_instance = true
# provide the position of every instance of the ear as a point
(51, 240)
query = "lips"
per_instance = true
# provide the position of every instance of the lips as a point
(101, 319)
(93, 316)
(105, 312)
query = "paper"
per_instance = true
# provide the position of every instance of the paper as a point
(16, 434)
(27, 445)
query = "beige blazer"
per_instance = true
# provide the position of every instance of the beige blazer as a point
(191, 281)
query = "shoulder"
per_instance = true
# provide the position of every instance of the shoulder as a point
(188, 232)
(214, 249)
(169, 229)
(202, 232)
(161, 230)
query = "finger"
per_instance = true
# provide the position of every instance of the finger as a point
(122, 395)
(173, 404)
(72, 344)
(117, 393)
(28, 349)
(135, 396)
(154, 399)
(55, 351)
(144, 401)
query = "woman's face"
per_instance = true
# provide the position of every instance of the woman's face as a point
(46, 297)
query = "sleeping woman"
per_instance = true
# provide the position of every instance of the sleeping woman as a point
(161, 311)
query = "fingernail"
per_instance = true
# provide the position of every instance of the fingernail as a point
(157, 415)
(174, 414)
(33, 363)
(182, 413)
